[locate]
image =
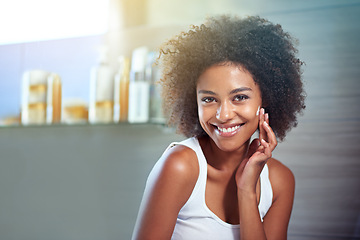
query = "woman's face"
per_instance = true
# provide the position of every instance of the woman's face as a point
(228, 101)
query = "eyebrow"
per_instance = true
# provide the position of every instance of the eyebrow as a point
(206, 92)
(236, 90)
(242, 89)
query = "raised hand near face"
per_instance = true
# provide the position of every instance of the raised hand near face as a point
(259, 152)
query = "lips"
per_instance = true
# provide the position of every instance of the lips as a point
(228, 130)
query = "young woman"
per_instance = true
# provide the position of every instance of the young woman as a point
(223, 81)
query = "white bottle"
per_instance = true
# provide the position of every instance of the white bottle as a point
(101, 91)
(121, 90)
(153, 75)
(139, 88)
(33, 97)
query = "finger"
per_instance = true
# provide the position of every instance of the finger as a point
(264, 143)
(262, 133)
(267, 149)
(270, 135)
(267, 118)
(262, 154)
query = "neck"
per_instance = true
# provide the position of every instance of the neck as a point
(223, 160)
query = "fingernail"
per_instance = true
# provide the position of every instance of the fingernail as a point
(258, 111)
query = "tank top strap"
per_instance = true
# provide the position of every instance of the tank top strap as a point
(266, 193)
(193, 144)
(199, 189)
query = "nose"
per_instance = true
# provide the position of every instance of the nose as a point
(225, 112)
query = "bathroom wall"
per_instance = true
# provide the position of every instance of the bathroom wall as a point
(75, 182)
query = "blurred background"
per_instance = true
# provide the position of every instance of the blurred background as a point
(68, 179)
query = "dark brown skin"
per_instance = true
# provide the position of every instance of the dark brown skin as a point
(234, 164)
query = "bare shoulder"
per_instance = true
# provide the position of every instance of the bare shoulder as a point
(181, 160)
(281, 177)
(179, 172)
(279, 171)
(169, 186)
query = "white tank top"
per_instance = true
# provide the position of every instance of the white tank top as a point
(195, 220)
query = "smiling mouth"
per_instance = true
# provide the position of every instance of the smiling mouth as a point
(228, 130)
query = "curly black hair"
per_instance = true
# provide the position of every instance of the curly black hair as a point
(264, 49)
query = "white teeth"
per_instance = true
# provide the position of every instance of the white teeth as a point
(226, 130)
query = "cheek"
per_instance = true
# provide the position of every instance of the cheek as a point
(250, 112)
(200, 110)
(204, 114)
(202, 118)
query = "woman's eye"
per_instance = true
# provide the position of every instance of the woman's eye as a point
(208, 99)
(240, 97)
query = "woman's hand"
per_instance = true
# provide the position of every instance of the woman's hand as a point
(259, 152)
(275, 223)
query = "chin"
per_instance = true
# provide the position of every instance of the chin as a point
(230, 145)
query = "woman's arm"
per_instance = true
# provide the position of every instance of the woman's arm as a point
(247, 175)
(166, 192)
(277, 218)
